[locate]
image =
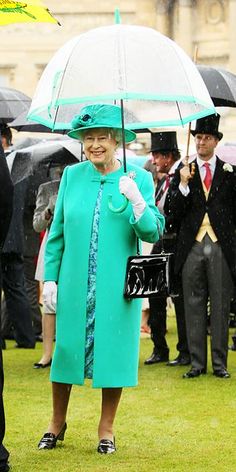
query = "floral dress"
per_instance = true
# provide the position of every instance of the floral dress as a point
(91, 295)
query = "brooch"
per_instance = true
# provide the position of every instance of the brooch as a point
(131, 174)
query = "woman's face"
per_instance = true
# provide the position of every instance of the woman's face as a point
(100, 147)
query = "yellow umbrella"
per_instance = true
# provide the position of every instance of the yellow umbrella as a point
(24, 12)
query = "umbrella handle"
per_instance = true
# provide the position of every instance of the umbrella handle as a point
(119, 209)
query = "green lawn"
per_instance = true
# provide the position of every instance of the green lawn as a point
(165, 424)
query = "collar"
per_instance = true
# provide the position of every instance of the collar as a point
(211, 161)
(173, 168)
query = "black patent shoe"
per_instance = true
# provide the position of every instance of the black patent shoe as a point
(40, 365)
(222, 373)
(180, 360)
(49, 440)
(156, 358)
(106, 446)
(193, 373)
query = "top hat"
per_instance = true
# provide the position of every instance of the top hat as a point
(164, 141)
(99, 116)
(208, 125)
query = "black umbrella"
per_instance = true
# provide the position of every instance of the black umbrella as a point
(47, 154)
(221, 85)
(22, 124)
(12, 103)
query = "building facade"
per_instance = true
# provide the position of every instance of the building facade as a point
(203, 28)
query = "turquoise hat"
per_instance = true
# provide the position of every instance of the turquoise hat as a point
(99, 116)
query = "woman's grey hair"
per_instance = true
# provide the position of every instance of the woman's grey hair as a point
(114, 133)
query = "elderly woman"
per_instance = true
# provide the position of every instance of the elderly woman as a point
(85, 263)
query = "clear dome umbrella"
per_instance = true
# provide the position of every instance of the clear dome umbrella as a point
(156, 83)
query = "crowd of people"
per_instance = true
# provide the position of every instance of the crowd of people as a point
(188, 209)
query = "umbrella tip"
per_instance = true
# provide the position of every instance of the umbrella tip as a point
(117, 16)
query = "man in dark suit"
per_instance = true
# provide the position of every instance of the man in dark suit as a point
(6, 197)
(13, 279)
(204, 201)
(166, 155)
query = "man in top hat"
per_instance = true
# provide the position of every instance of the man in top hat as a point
(205, 204)
(166, 155)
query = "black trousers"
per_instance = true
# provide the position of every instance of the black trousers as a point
(206, 275)
(31, 286)
(158, 312)
(18, 307)
(157, 323)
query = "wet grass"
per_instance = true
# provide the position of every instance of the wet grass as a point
(165, 424)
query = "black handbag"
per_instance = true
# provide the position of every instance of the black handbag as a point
(148, 275)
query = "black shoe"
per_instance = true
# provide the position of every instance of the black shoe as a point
(39, 338)
(192, 373)
(39, 365)
(5, 468)
(25, 346)
(49, 440)
(106, 446)
(233, 346)
(156, 358)
(2, 346)
(222, 373)
(180, 360)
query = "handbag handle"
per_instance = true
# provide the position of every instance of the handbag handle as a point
(160, 239)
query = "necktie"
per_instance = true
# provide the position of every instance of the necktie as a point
(163, 188)
(167, 183)
(208, 176)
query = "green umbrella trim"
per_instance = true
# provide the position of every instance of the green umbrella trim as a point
(34, 116)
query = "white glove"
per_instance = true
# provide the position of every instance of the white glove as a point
(49, 297)
(129, 189)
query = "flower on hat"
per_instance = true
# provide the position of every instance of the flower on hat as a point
(227, 167)
(81, 120)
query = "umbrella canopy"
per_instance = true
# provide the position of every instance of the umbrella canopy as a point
(22, 12)
(48, 153)
(227, 153)
(12, 103)
(122, 62)
(221, 85)
(22, 124)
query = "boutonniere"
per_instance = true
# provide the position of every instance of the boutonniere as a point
(227, 167)
(132, 174)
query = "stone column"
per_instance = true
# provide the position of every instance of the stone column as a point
(163, 8)
(185, 26)
(232, 36)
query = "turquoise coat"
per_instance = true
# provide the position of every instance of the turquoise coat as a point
(117, 321)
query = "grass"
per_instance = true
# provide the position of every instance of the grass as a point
(165, 424)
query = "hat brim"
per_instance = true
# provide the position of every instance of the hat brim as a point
(154, 149)
(78, 132)
(219, 135)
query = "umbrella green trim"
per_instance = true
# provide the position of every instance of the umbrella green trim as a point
(147, 124)
(129, 96)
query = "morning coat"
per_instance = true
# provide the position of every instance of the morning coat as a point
(117, 321)
(220, 206)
